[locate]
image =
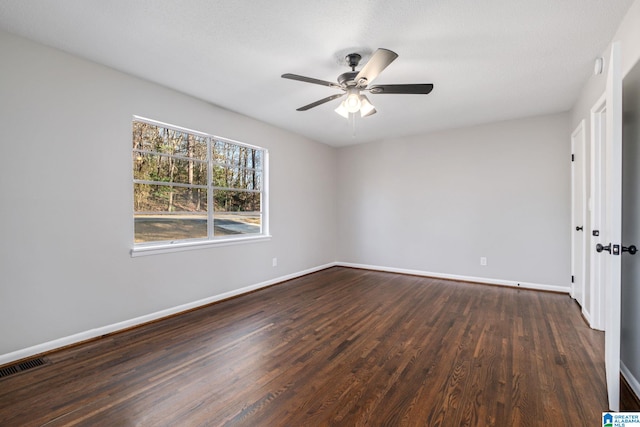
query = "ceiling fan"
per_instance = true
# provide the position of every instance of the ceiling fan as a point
(353, 82)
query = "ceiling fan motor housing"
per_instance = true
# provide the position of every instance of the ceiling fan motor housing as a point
(348, 78)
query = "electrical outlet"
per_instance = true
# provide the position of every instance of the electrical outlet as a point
(274, 262)
(483, 260)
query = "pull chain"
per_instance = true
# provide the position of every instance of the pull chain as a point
(352, 119)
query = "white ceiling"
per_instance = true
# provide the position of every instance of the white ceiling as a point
(489, 60)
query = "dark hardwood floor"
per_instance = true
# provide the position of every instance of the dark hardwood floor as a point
(339, 347)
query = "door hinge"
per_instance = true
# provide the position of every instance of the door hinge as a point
(573, 279)
(573, 157)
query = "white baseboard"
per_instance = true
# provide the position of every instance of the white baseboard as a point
(484, 280)
(631, 380)
(587, 317)
(108, 329)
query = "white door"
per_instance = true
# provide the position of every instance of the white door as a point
(598, 214)
(630, 276)
(613, 234)
(578, 209)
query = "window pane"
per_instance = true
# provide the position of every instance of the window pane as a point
(236, 201)
(257, 159)
(168, 141)
(237, 155)
(154, 228)
(224, 152)
(166, 199)
(153, 167)
(229, 177)
(187, 145)
(145, 136)
(230, 223)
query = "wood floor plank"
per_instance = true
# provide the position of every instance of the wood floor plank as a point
(338, 347)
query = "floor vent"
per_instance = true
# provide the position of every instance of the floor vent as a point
(22, 366)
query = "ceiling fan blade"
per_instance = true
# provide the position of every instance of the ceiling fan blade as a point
(320, 102)
(310, 80)
(378, 62)
(420, 89)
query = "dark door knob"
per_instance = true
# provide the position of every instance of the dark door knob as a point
(631, 249)
(600, 248)
(579, 228)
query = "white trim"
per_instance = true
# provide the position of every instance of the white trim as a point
(126, 324)
(587, 317)
(483, 280)
(210, 219)
(631, 380)
(170, 184)
(264, 201)
(188, 246)
(109, 329)
(156, 153)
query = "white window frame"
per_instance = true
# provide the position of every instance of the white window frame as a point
(150, 248)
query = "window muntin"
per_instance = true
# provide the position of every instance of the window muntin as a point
(190, 186)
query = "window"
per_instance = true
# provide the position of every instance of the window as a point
(190, 187)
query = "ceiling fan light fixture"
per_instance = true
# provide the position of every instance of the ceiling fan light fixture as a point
(352, 103)
(366, 108)
(342, 110)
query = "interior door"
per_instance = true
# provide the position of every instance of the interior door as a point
(613, 227)
(630, 315)
(598, 214)
(579, 208)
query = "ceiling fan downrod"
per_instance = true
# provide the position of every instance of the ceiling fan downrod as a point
(353, 59)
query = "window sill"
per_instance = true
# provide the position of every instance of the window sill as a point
(189, 246)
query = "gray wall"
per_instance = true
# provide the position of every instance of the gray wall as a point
(439, 202)
(66, 200)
